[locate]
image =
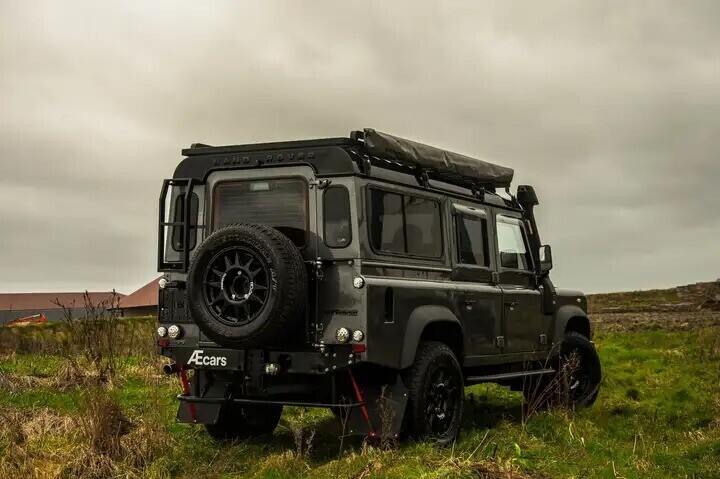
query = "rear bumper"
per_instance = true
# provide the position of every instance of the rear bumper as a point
(371, 405)
(253, 362)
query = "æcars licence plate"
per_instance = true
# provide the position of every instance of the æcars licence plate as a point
(213, 358)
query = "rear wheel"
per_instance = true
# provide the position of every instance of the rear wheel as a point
(435, 394)
(242, 422)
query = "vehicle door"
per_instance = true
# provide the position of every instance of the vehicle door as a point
(522, 308)
(479, 301)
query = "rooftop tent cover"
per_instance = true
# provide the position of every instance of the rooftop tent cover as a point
(387, 146)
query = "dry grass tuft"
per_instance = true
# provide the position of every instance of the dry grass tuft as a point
(99, 442)
(44, 421)
(103, 422)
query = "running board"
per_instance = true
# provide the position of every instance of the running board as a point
(503, 376)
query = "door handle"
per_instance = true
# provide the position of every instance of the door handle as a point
(511, 304)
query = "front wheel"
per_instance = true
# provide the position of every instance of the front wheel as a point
(243, 422)
(575, 384)
(435, 394)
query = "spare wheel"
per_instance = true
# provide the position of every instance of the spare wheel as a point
(247, 286)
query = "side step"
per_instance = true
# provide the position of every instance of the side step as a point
(502, 376)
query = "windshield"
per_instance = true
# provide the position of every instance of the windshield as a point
(279, 203)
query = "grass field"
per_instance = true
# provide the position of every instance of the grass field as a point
(658, 415)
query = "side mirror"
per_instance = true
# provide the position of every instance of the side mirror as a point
(509, 259)
(546, 262)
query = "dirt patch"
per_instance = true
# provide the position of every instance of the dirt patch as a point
(658, 320)
(692, 297)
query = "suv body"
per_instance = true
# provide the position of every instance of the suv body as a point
(409, 253)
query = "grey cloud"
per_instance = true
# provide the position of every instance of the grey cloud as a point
(611, 109)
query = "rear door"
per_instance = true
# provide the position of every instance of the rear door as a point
(283, 198)
(522, 308)
(479, 301)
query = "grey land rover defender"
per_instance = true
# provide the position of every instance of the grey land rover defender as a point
(372, 275)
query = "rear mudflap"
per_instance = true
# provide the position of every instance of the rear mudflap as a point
(198, 413)
(382, 412)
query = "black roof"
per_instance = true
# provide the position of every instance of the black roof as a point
(360, 153)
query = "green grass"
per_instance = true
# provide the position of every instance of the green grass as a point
(658, 416)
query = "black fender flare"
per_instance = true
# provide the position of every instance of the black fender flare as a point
(564, 315)
(419, 319)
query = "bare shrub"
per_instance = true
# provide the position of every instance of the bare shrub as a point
(93, 336)
(303, 435)
(550, 392)
(98, 342)
(388, 440)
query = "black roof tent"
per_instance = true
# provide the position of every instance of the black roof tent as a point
(379, 149)
(446, 165)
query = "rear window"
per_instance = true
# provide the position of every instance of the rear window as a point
(405, 224)
(279, 203)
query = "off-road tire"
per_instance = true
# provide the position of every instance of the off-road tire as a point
(282, 314)
(550, 390)
(246, 421)
(418, 378)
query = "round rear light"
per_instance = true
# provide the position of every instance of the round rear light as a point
(342, 335)
(162, 331)
(174, 331)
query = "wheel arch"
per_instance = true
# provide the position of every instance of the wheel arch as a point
(431, 322)
(571, 318)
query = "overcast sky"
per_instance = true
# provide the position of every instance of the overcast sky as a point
(610, 109)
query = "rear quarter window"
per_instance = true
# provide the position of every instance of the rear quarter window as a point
(336, 217)
(405, 224)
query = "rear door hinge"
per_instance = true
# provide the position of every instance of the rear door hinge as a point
(321, 184)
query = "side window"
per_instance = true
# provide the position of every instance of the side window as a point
(472, 240)
(511, 244)
(404, 224)
(336, 217)
(422, 227)
(386, 228)
(179, 217)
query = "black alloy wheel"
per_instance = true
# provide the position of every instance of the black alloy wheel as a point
(237, 285)
(582, 364)
(441, 399)
(247, 287)
(435, 394)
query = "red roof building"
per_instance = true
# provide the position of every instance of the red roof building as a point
(20, 305)
(143, 302)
